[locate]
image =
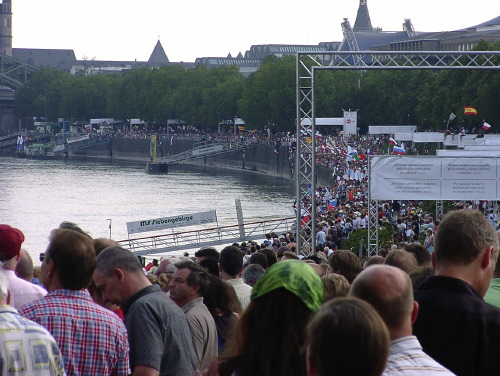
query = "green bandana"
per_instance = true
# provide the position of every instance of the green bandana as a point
(295, 276)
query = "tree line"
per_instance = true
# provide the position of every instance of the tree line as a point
(205, 97)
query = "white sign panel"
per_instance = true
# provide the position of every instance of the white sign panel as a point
(324, 121)
(479, 147)
(467, 153)
(428, 137)
(172, 222)
(403, 136)
(391, 129)
(434, 178)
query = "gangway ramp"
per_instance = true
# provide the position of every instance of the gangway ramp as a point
(64, 145)
(204, 149)
(207, 237)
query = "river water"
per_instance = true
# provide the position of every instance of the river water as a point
(37, 195)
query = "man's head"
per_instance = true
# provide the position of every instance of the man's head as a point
(207, 252)
(346, 337)
(69, 261)
(24, 268)
(466, 247)
(118, 275)
(373, 260)
(252, 273)
(389, 290)
(345, 263)
(10, 242)
(496, 273)
(462, 236)
(189, 282)
(420, 253)
(102, 243)
(401, 259)
(335, 286)
(231, 261)
(259, 258)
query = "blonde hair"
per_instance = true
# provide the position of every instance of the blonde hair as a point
(335, 286)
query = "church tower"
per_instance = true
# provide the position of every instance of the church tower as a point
(6, 27)
(363, 22)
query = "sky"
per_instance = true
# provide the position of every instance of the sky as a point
(129, 30)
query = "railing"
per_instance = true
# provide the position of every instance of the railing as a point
(205, 149)
(207, 237)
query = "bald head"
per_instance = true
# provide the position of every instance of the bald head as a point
(24, 268)
(389, 290)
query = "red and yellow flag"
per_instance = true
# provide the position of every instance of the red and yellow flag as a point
(470, 110)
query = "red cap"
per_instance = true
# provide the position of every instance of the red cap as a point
(10, 242)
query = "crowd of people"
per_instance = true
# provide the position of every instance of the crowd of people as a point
(254, 309)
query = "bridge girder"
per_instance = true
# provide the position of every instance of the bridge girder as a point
(14, 73)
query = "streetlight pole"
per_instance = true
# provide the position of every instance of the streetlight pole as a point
(109, 220)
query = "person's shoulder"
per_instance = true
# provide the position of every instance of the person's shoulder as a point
(32, 308)
(155, 303)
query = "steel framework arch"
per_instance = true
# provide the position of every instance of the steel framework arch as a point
(13, 74)
(307, 63)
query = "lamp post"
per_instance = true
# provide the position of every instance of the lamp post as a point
(109, 226)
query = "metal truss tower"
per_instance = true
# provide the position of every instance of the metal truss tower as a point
(308, 63)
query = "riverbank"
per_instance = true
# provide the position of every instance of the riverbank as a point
(259, 159)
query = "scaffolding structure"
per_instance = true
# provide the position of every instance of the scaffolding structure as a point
(307, 64)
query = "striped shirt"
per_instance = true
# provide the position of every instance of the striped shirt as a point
(406, 358)
(92, 339)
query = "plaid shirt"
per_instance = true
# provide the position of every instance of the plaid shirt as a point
(92, 339)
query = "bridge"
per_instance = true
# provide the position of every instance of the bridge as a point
(13, 74)
(207, 237)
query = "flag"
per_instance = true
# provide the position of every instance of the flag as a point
(351, 151)
(330, 145)
(305, 220)
(452, 116)
(350, 195)
(392, 141)
(332, 204)
(399, 149)
(486, 126)
(470, 110)
(318, 135)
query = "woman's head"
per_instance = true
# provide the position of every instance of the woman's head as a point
(294, 276)
(283, 301)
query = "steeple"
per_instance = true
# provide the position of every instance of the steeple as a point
(6, 27)
(363, 22)
(158, 56)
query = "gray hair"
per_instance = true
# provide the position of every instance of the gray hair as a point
(112, 258)
(198, 276)
(252, 273)
(171, 266)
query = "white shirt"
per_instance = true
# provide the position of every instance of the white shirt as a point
(242, 290)
(21, 291)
